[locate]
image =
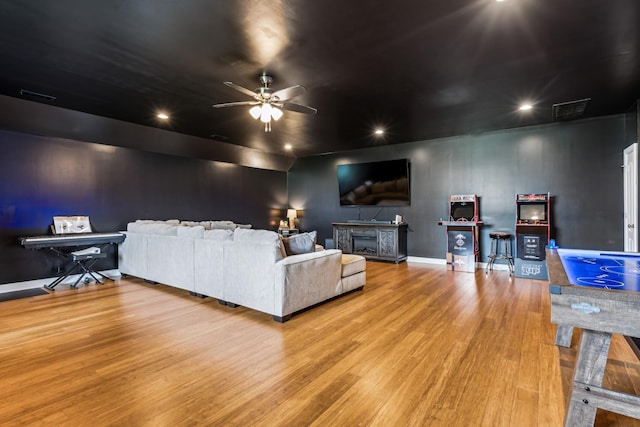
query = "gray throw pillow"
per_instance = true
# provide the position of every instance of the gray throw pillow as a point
(300, 243)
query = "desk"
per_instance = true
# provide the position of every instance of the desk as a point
(599, 292)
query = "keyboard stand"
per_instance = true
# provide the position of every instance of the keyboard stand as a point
(81, 263)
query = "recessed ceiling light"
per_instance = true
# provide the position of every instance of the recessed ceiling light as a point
(288, 146)
(525, 107)
(379, 131)
(163, 116)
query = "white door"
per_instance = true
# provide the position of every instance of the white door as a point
(631, 198)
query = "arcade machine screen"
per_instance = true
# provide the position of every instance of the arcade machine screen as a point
(532, 213)
(462, 211)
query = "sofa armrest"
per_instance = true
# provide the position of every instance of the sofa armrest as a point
(307, 279)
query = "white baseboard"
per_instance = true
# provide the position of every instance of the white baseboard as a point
(39, 283)
(421, 260)
(440, 261)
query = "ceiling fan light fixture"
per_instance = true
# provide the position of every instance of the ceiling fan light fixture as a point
(265, 115)
(255, 112)
(276, 113)
(267, 105)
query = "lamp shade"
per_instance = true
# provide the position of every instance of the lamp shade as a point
(291, 213)
(276, 113)
(265, 115)
(255, 112)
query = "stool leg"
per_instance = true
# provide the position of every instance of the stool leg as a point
(507, 248)
(492, 255)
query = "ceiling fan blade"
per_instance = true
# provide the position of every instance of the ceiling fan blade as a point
(241, 89)
(298, 108)
(235, 104)
(288, 93)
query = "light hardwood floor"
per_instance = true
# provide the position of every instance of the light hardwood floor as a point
(420, 346)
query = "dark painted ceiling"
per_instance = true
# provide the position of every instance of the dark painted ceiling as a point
(420, 69)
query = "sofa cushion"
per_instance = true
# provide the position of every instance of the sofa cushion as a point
(352, 264)
(220, 235)
(222, 225)
(153, 228)
(196, 231)
(164, 229)
(300, 243)
(190, 223)
(258, 236)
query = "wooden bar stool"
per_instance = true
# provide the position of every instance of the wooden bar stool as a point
(495, 254)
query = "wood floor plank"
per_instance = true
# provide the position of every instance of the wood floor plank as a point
(419, 346)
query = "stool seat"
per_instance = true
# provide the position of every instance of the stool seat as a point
(497, 237)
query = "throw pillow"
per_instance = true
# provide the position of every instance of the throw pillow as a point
(300, 243)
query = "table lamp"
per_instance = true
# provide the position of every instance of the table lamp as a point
(292, 215)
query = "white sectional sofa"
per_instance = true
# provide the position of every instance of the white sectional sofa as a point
(237, 265)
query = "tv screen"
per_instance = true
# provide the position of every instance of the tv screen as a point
(532, 212)
(384, 183)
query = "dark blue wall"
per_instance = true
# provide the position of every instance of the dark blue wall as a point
(579, 163)
(41, 177)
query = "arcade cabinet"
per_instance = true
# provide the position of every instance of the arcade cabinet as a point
(462, 226)
(533, 228)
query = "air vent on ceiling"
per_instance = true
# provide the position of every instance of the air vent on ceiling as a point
(569, 110)
(218, 137)
(25, 92)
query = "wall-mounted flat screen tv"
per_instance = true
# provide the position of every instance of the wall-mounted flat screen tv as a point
(383, 183)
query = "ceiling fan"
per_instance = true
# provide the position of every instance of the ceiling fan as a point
(267, 104)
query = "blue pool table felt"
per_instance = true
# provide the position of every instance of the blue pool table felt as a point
(600, 269)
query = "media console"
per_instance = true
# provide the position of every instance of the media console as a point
(375, 240)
